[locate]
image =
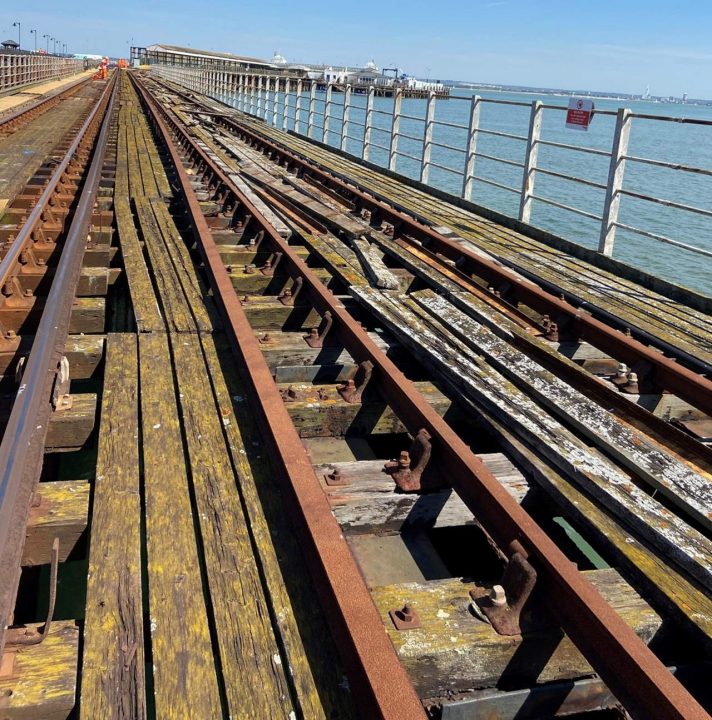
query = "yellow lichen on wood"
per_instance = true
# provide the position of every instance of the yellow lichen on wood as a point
(43, 679)
(185, 680)
(113, 682)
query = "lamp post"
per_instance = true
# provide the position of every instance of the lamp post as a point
(54, 48)
(46, 38)
(52, 40)
(34, 32)
(19, 37)
(64, 48)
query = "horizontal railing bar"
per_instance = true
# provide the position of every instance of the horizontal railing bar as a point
(485, 156)
(445, 167)
(387, 131)
(613, 113)
(382, 147)
(669, 165)
(410, 137)
(498, 133)
(672, 118)
(355, 139)
(412, 117)
(494, 183)
(449, 124)
(383, 112)
(447, 147)
(667, 203)
(563, 176)
(494, 101)
(583, 148)
(663, 238)
(356, 122)
(569, 208)
(408, 155)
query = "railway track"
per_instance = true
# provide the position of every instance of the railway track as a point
(341, 461)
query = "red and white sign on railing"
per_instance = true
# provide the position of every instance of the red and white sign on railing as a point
(579, 114)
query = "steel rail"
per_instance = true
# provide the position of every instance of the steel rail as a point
(21, 450)
(633, 673)
(379, 683)
(668, 373)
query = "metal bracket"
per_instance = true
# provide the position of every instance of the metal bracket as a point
(407, 471)
(291, 394)
(335, 477)
(352, 390)
(316, 336)
(289, 296)
(29, 636)
(61, 399)
(502, 605)
(404, 618)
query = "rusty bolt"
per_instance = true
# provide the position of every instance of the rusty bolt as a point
(404, 459)
(631, 387)
(497, 596)
(28, 292)
(228, 268)
(291, 392)
(314, 333)
(621, 376)
(250, 269)
(407, 613)
(323, 394)
(546, 322)
(628, 333)
(553, 333)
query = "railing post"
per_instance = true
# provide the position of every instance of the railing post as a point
(526, 200)
(252, 94)
(369, 124)
(285, 116)
(428, 138)
(312, 105)
(616, 171)
(395, 128)
(268, 87)
(327, 113)
(275, 103)
(298, 107)
(345, 121)
(259, 96)
(468, 179)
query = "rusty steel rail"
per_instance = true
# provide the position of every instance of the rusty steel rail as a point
(633, 673)
(12, 121)
(680, 374)
(21, 450)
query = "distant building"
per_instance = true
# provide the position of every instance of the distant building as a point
(9, 45)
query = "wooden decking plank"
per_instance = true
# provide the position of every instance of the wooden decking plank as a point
(184, 673)
(113, 665)
(170, 293)
(194, 290)
(315, 667)
(254, 677)
(143, 299)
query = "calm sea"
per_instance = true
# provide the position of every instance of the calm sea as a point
(668, 141)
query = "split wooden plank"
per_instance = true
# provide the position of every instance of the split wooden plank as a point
(254, 674)
(687, 489)
(453, 651)
(185, 679)
(59, 510)
(70, 428)
(39, 682)
(451, 358)
(317, 688)
(113, 660)
(202, 311)
(176, 315)
(143, 299)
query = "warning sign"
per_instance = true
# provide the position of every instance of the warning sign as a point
(579, 114)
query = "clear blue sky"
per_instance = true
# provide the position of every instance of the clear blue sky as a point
(619, 45)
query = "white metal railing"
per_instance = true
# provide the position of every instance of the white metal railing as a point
(16, 71)
(384, 134)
